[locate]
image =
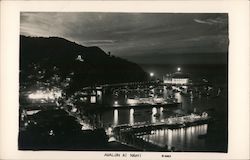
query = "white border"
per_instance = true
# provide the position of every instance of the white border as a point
(238, 72)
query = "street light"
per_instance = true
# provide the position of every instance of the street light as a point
(179, 69)
(151, 74)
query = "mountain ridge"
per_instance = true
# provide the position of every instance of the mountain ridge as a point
(89, 65)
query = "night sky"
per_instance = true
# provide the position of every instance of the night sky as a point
(144, 38)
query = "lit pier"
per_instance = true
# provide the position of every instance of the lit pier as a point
(170, 123)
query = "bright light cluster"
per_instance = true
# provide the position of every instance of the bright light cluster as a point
(132, 101)
(51, 94)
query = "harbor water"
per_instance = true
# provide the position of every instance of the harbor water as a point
(205, 137)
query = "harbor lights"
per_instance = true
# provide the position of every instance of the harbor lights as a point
(151, 74)
(179, 69)
(115, 103)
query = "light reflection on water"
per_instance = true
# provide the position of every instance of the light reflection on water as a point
(134, 115)
(161, 114)
(181, 139)
(116, 117)
(178, 97)
(153, 117)
(131, 116)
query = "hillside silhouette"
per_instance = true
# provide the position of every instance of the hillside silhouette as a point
(42, 58)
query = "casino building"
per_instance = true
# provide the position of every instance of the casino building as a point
(177, 78)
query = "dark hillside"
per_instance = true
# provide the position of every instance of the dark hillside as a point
(42, 58)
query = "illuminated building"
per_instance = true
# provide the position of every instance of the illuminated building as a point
(176, 78)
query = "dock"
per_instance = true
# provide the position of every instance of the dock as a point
(166, 105)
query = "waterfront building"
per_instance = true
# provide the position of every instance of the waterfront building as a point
(178, 78)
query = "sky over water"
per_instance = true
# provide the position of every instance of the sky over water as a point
(164, 38)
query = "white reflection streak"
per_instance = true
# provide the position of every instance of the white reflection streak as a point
(161, 114)
(169, 138)
(192, 130)
(162, 136)
(154, 110)
(188, 133)
(153, 118)
(173, 137)
(115, 117)
(182, 136)
(131, 116)
(178, 97)
(204, 129)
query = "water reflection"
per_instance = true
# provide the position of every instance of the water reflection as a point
(153, 116)
(178, 97)
(169, 141)
(181, 139)
(161, 114)
(116, 117)
(131, 116)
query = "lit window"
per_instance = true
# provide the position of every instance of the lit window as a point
(93, 99)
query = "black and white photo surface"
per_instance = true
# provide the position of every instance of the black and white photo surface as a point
(102, 81)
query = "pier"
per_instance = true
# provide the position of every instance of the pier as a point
(132, 134)
(169, 123)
